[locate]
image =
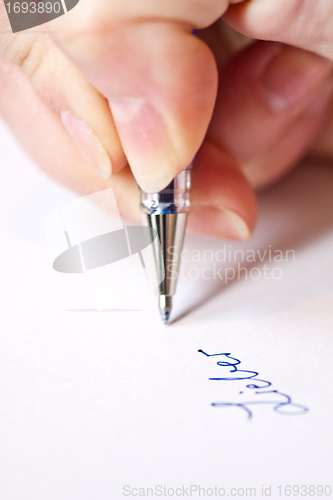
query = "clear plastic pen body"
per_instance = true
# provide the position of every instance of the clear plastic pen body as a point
(174, 199)
(165, 214)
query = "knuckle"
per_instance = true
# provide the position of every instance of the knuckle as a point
(32, 58)
(27, 54)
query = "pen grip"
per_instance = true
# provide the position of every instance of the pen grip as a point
(174, 199)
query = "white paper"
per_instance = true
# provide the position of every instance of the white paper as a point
(98, 404)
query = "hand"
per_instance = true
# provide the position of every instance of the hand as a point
(291, 80)
(161, 84)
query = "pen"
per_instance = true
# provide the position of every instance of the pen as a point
(165, 213)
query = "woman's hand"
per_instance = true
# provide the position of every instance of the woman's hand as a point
(161, 84)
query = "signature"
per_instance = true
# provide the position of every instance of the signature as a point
(283, 404)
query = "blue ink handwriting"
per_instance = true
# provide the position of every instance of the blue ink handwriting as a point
(283, 404)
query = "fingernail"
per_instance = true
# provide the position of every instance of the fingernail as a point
(88, 144)
(145, 141)
(290, 75)
(220, 222)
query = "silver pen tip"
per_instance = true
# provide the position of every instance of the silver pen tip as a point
(165, 308)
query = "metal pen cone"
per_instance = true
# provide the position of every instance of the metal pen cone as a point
(165, 214)
(165, 304)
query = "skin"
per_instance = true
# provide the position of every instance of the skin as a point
(126, 88)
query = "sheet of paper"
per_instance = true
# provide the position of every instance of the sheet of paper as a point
(233, 399)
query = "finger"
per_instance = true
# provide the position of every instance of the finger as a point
(294, 143)
(223, 203)
(262, 91)
(49, 145)
(84, 111)
(161, 84)
(323, 145)
(99, 17)
(223, 41)
(305, 24)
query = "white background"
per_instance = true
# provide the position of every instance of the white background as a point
(92, 401)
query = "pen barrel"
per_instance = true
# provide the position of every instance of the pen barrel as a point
(174, 199)
(167, 248)
(165, 215)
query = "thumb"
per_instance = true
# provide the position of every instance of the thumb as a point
(161, 84)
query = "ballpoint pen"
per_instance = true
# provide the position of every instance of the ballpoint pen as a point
(165, 213)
